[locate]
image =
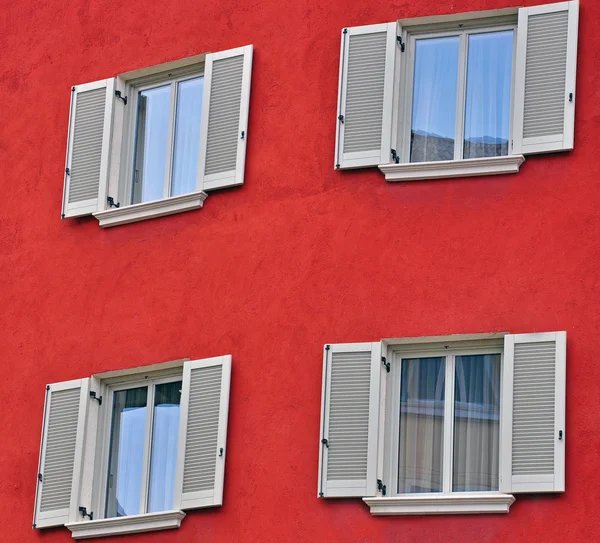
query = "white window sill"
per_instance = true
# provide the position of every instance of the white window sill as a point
(133, 524)
(462, 503)
(116, 216)
(413, 171)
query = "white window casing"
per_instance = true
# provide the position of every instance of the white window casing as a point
(349, 420)
(202, 433)
(365, 99)
(61, 453)
(532, 431)
(224, 127)
(88, 148)
(546, 65)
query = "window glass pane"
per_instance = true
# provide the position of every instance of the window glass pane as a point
(165, 433)
(421, 425)
(187, 136)
(489, 83)
(126, 458)
(434, 99)
(152, 142)
(476, 423)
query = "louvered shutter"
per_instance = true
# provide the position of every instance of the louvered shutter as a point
(349, 420)
(533, 413)
(546, 59)
(366, 88)
(61, 453)
(88, 148)
(203, 432)
(224, 125)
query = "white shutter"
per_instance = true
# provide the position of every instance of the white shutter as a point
(203, 432)
(349, 420)
(61, 453)
(546, 64)
(88, 148)
(224, 125)
(366, 88)
(533, 413)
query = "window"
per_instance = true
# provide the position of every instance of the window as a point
(159, 436)
(455, 424)
(149, 143)
(457, 95)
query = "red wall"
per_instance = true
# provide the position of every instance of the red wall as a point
(299, 256)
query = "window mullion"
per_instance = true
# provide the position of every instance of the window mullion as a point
(461, 97)
(448, 426)
(147, 449)
(171, 141)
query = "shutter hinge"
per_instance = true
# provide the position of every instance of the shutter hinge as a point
(325, 442)
(121, 97)
(560, 434)
(47, 387)
(84, 513)
(570, 97)
(400, 43)
(40, 477)
(395, 156)
(67, 171)
(111, 202)
(381, 487)
(385, 363)
(345, 31)
(243, 135)
(341, 118)
(94, 397)
(221, 452)
(327, 347)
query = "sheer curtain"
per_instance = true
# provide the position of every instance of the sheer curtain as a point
(476, 423)
(489, 83)
(421, 425)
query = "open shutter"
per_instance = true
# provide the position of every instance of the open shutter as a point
(366, 88)
(88, 148)
(61, 453)
(546, 59)
(203, 432)
(224, 126)
(349, 420)
(533, 413)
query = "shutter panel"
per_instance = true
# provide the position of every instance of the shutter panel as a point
(203, 432)
(544, 111)
(533, 413)
(61, 453)
(366, 87)
(349, 420)
(224, 126)
(88, 147)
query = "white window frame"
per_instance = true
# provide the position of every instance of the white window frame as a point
(105, 430)
(133, 89)
(393, 409)
(408, 82)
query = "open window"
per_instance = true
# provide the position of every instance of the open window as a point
(458, 95)
(130, 451)
(150, 142)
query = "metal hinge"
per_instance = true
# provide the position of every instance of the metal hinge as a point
(325, 442)
(400, 43)
(381, 487)
(94, 397)
(395, 156)
(67, 171)
(121, 97)
(341, 118)
(327, 347)
(385, 363)
(84, 513)
(111, 202)
(40, 477)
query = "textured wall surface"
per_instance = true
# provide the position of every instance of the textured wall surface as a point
(299, 256)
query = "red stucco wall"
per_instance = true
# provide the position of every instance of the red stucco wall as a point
(299, 256)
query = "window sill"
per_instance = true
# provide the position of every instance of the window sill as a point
(133, 524)
(454, 504)
(445, 169)
(150, 210)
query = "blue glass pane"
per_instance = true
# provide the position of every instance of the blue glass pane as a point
(489, 82)
(165, 435)
(434, 99)
(187, 136)
(152, 142)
